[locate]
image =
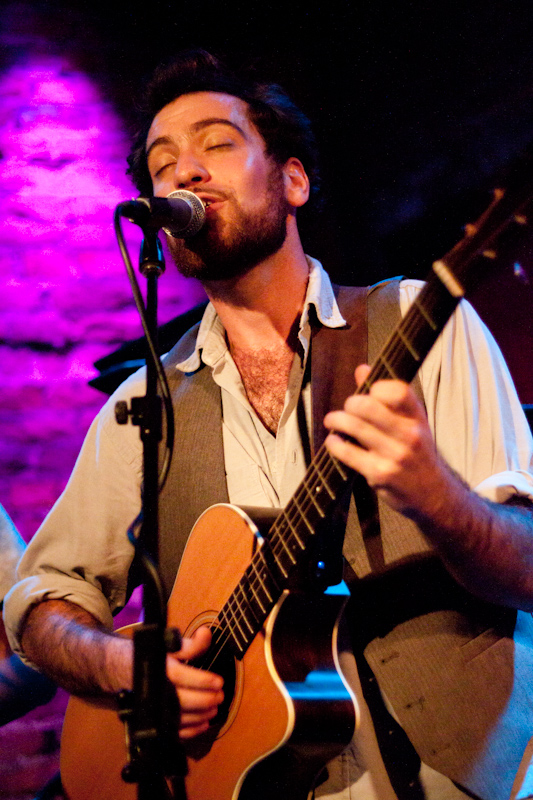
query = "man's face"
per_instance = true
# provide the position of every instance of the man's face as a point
(204, 142)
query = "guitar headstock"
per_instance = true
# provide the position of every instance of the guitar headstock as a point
(487, 241)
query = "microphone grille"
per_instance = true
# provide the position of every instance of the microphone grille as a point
(197, 213)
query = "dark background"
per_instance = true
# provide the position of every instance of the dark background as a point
(418, 108)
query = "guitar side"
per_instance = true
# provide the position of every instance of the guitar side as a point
(290, 710)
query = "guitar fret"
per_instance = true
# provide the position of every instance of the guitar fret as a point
(230, 629)
(408, 344)
(312, 496)
(239, 631)
(243, 606)
(430, 321)
(258, 605)
(240, 636)
(324, 483)
(279, 548)
(304, 517)
(262, 607)
(282, 569)
(388, 365)
(285, 540)
(248, 591)
(261, 578)
(339, 467)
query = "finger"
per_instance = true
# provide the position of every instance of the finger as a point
(198, 703)
(383, 474)
(193, 723)
(188, 731)
(392, 439)
(347, 452)
(195, 645)
(385, 400)
(394, 393)
(204, 704)
(397, 396)
(361, 374)
(188, 677)
(365, 425)
(391, 411)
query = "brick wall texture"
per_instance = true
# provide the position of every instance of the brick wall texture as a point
(64, 302)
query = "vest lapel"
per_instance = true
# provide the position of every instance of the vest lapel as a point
(198, 452)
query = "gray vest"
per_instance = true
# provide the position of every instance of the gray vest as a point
(459, 683)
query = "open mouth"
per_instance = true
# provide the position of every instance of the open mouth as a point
(214, 200)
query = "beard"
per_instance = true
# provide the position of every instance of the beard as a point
(225, 250)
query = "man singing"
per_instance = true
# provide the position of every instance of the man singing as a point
(438, 628)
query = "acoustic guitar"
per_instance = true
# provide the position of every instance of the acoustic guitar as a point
(287, 709)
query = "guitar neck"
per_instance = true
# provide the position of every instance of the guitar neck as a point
(411, 341)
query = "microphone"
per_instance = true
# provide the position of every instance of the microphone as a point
(181, 213)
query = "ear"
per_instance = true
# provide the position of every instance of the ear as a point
(296, 183)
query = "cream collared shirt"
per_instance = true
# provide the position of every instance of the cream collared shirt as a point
(263, 469)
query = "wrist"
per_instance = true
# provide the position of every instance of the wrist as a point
(445, 503)
(118, 664)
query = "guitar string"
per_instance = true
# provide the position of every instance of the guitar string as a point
(226, 632)
(299, 506)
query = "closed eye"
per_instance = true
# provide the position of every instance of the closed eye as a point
(164, 167)
(219, 146)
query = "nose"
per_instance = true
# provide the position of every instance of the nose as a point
(190, 170)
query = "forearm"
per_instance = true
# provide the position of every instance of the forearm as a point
(70, 646)
(488, 547)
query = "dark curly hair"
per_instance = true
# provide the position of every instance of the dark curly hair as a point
(285, 129)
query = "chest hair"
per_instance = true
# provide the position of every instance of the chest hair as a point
(265, 376)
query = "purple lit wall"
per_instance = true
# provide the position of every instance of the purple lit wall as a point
(65, 298)
(64, 302)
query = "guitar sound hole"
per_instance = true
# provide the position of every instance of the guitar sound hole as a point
(221, 660)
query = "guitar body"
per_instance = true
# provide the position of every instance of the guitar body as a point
(288, 709)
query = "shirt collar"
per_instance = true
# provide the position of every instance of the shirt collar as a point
(211, 344)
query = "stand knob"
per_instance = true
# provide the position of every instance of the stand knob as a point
(121, 412)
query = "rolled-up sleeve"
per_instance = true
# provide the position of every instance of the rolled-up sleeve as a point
(81, 552)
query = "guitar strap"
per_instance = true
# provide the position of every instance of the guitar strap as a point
(335, 352)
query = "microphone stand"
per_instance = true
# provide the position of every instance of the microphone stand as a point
(151, 710)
